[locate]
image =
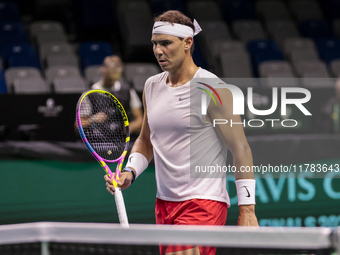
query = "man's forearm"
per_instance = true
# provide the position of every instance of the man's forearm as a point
(243, 161)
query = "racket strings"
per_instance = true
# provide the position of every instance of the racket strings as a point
(106, 132)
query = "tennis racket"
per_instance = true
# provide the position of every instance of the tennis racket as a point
(104, 128)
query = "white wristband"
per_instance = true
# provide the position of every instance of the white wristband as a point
(245, 191)
(138, 162)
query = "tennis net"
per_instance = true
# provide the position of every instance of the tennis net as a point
(51, 238)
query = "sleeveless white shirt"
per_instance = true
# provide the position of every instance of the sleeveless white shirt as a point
(182, 138)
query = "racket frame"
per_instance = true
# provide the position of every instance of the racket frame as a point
(102, 162)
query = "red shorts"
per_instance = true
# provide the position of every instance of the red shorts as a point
(190, 212)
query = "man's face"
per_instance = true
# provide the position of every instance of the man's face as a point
(169, 51)
(112, 69)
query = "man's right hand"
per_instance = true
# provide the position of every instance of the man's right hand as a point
(123, 182)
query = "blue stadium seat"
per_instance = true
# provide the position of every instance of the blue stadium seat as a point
(93, 53)
(316, 29)
(92, 48)
(160, 6)
(8, 28)
(237, 9)
(9, 11)
(331, 56)
(3, 87)
(92, 60)
(10, 39)
(263, 50)
(329, 49)
(262, 45)
(260, 57)
(13, 32)
(8, 50)
(23, 60)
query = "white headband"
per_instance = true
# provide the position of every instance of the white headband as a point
(182, 31)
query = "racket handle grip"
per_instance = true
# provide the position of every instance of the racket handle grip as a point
(123, 219)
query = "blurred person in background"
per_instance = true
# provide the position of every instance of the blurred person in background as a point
(112, 81)
(330, 122)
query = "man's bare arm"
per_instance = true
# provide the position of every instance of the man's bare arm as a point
(234, 139)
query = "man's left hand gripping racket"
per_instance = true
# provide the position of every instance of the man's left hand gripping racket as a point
(104, 128)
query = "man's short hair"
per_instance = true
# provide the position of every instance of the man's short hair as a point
(114, 59)
(176, 17)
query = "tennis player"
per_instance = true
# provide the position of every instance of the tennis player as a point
(166, 134)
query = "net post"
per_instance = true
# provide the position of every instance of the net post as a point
(45, 250)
